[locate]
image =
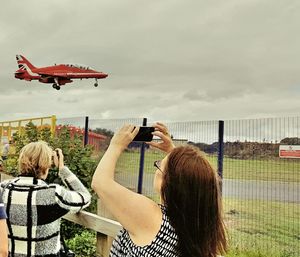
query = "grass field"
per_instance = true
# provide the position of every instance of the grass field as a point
(267, 170)
(262, 228)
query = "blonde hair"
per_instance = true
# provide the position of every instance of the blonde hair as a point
(35, 159)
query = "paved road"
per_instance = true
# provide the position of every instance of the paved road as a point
(241, 189)
(262, 190)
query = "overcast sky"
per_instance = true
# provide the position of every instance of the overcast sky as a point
(167, 60)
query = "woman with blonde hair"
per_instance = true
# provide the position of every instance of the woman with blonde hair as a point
(188, 221)
(34, 208)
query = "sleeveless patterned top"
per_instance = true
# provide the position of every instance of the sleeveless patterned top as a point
(164, 244)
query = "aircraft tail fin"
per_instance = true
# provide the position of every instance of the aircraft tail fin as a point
(23, 63)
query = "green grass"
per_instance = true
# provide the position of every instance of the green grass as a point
(262, 228)
(129, 161)
(267, 170)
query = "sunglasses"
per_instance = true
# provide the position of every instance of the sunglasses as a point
(157, 164)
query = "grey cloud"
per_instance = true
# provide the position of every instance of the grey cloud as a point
(165, 59)
(68, 100)
(195, 95)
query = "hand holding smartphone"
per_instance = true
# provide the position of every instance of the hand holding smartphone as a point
(58, 158)
(144, 134)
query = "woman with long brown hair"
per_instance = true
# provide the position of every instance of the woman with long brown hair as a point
(187, 222)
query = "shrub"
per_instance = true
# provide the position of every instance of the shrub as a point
(84, 244)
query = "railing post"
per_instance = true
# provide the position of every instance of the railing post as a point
(221, 150)
(86, 131)
(142, 157)
(104, 242)
(102, 249)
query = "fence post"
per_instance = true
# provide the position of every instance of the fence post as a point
(102, 245)
(221, 150)
(142, 157)
(86, 131)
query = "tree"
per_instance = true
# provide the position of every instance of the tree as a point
(106, 132)
(103, 131)
(290, 141)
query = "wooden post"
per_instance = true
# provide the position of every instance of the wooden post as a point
(104, 242)
(102, 249)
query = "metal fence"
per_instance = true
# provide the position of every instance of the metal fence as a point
(261, 192)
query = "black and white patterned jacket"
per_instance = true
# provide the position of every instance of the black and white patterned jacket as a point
(34, 209)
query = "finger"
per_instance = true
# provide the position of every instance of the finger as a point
(58, 151)
(124, 127)
(54, 155)
(164, 137)
(127, 129)
(55, 158)
(131, 128)
(135, 131)
(161, 127)
(158, 127)
(152, 144)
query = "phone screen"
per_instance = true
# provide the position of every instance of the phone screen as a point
(144, 134)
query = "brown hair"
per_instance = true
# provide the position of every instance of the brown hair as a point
(191, 192)
(35, 159)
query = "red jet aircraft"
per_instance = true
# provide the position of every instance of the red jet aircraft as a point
(59, 75)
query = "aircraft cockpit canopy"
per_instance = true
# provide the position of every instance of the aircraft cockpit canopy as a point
(80, 66)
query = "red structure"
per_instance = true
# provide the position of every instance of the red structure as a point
(94, 139)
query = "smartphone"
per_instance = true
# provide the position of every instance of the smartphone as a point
(144, 134)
